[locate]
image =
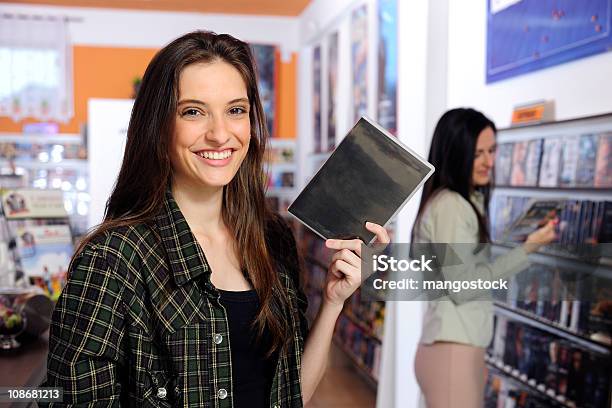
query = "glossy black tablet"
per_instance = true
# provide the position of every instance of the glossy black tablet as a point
(369, 177)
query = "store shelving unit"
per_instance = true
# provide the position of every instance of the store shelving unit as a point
(552, 399)
(281, 170)
(575, 371)
(50, 161)
(359, 329)
(553, 328)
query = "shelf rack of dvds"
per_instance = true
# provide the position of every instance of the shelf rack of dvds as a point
(546, 397)
(553, 326)
(359, 329)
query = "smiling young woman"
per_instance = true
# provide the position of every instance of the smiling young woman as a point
(188, 293)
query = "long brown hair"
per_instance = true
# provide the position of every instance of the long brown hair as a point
(146, 171)
(452, 153)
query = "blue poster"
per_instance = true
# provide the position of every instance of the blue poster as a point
(528, 35)
(387, 64)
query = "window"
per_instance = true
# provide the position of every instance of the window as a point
(35, 68)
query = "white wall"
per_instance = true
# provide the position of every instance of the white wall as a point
(107, 134)
(579, 88)
(127, 28)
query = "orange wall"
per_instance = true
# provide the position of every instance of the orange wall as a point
(101, 72)
(287, 98)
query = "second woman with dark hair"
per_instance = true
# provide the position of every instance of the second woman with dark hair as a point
(449, 363)
(188, 294)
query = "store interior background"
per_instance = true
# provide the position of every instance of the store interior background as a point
(441, 60)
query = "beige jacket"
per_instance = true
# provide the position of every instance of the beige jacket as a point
(449, 218)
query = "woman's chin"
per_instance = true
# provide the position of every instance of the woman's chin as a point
(482, 182)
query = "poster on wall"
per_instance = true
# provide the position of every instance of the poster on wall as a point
(359, 62)
(266, 59)
(332, 93)
(316, 97)
(387, 65)
(44, 253)
(528, 35)
(33, 203)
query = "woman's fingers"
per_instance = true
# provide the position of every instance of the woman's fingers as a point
(348, 256)
(343, 270)
(382, 236)
(350, 244)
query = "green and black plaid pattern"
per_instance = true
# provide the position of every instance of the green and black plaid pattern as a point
(139, 323)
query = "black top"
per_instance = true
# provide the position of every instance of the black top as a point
(252, 372)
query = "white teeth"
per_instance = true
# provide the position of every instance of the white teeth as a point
(216, 155)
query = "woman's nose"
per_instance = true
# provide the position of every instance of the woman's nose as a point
(218, 132)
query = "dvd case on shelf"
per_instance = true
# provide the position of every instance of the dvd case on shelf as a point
(603, 162)
(551, 156)
(585, 171)
(569, 161)
(503, 164)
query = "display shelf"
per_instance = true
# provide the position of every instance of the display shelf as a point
(75, 138)
(554, 192)
(365, 349)
(564, 258)
(570, 152)
(530, 384)
(365, 329)
(77, 164)
(604, 118)
(552, 328)
(362, 369)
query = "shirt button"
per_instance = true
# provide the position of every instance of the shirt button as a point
(161, 393)
(217, 338)
(222, 393)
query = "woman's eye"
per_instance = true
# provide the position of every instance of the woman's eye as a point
(191, 112)
(237, 110)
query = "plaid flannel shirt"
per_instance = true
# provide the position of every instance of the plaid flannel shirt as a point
(140, 324)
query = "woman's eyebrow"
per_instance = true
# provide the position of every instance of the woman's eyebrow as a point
(191, 101)
(199, 102)
(245, 100)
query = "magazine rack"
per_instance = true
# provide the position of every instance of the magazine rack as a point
(37, 228)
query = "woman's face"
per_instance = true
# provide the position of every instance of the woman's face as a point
(484, 157)
(212, 126)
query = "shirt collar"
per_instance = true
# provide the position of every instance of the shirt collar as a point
(187, 260)
(477, 195)
(478, 199)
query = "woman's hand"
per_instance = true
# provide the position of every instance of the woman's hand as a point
(541, 237)
(344, 273)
